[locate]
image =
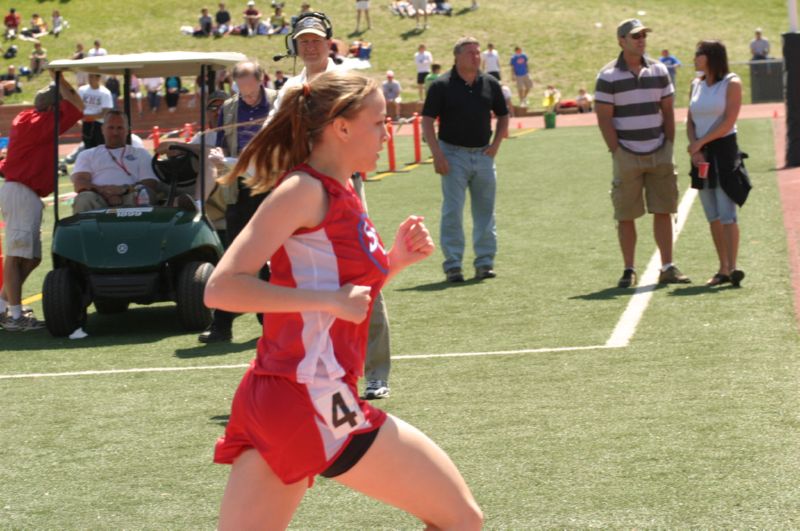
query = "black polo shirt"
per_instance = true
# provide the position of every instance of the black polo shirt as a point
(465, 111)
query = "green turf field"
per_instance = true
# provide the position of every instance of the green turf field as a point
(564, 44)
(694, 424)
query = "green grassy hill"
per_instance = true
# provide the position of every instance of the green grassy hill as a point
(567, 41)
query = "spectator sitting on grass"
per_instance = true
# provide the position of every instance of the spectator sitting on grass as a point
(391, 91)
(402, 8)
(37, 28)
(305, 7)
(10, 81)
(584, 100)
(12, 22)
(277, 22)
(223, 20)
(443, 8)
(58, 23)
(38, 58)
(205, 24)
(252, 20)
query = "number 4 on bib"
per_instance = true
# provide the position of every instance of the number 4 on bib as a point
(340, 410)
(341, 414)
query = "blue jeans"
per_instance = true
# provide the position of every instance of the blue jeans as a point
(469, 168)
(717, 205)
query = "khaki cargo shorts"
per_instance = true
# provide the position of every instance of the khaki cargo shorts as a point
(524, 82)
(644, 178)
(22, 214)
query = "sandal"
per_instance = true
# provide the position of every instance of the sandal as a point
(717, 280)
(737, 275)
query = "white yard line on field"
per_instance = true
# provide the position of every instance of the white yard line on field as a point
(244, 365)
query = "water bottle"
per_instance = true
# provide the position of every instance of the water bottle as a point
(142, 196)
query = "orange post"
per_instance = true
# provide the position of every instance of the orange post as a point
(156, 137)
(417, 139)
(390, 145)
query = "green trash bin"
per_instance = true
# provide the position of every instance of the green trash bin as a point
(549, 120)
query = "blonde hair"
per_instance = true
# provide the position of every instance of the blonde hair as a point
(304, 113)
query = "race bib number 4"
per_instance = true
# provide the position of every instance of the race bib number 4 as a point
(340, 411)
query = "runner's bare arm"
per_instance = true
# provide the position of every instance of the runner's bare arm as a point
(300, 201)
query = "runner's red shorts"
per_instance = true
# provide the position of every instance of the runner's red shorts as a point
(299, 429)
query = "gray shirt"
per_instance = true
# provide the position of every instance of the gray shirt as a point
(391, 90)
(759, 47)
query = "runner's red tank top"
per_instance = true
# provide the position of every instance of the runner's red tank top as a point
(343, 249)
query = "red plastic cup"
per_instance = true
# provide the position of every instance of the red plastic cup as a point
(703, 170)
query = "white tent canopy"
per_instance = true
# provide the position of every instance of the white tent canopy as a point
(152, 64)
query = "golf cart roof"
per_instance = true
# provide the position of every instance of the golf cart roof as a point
(151, 64)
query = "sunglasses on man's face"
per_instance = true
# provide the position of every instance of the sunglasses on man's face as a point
(640, 35)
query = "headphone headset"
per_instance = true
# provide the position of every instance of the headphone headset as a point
(291, 41)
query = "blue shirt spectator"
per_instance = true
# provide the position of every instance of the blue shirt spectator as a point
(519, 62)
(671, 62)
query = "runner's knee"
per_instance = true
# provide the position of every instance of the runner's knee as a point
(467, 516)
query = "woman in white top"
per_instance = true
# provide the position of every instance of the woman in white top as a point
(715, 101)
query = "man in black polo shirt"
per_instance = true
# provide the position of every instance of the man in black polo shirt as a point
(463, 100)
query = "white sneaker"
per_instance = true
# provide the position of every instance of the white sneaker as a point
(23, 324)
(376, 389)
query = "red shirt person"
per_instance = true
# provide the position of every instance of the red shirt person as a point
(28, 171)
(12, 20)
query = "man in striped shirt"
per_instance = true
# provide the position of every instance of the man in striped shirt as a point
(634, 105)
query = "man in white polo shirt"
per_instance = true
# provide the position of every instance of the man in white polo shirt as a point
(109, 175)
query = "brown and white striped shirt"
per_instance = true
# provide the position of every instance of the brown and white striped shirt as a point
(636, 101)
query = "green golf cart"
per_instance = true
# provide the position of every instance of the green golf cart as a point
(145, 254)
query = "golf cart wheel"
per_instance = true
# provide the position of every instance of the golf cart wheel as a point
(192, 280)
(62, 302)
(110, 306)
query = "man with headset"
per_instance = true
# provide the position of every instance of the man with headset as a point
(310, 40)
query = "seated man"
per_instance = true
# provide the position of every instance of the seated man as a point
(113, 174)
(252, 19)
(391, 92)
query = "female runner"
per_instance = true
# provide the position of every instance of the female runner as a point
(296, 413)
